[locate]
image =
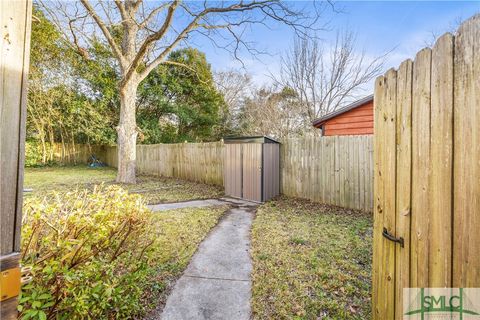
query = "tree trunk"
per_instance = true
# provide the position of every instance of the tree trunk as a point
(73, 148)
(51, 137)
(63, 146)
(127, 134)
(41, 133)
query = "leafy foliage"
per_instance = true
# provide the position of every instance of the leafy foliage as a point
(102, 255)
(73, 96)
(88, 251)
(178, 100)
(273, 112)
(63, 104)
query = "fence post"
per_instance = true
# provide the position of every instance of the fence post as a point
(15, 23)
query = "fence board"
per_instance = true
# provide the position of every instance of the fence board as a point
(14, 58)
(441, 157)
(420, 168)
(466, 217)
(404, 172)
(385, 187)
(14, 64)
(200, 162)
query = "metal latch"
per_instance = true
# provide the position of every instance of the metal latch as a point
(391, 237)
(10, 283)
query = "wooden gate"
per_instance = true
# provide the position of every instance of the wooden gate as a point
(427, 172)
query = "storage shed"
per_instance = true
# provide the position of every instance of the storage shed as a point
(252, 168)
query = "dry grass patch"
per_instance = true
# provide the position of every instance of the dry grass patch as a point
(311, 261)
(153, 189)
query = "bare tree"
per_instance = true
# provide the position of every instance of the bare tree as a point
(235, 87)
(452, 28)
(324, 77)
(141, 35)
(274, 112)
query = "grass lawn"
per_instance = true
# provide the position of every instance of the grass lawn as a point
(311, 261)
(154, 189)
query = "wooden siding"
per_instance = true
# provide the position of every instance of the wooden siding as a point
(358, 121)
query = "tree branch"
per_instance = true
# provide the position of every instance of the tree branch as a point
(121, 8)
(151, 39)
(106, 33)
(151, 15)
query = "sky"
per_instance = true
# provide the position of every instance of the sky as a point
(399, 27)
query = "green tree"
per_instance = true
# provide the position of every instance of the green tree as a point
(63, 104)
(151, 31)
(178, 101)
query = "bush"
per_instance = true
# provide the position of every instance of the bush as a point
(33, 154)
(89, 255)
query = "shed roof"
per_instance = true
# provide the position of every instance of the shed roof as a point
(349, 107)
(249, 139)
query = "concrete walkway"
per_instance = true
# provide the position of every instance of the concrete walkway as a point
(216, 283)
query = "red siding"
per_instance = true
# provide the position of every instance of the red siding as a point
(354, 122)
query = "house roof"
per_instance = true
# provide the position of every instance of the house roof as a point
(349, 107)
(249, 139)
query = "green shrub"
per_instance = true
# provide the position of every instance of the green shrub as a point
(89, 255)
(33, 154)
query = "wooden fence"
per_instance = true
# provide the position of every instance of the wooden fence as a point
(69, 154)
(427, 172)
(200, 162)
(334, 170)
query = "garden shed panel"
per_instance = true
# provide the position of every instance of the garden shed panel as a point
(233, 169)
(271, 169)
(252, 172)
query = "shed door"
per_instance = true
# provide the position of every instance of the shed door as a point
(252, 171)
(233, 170)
